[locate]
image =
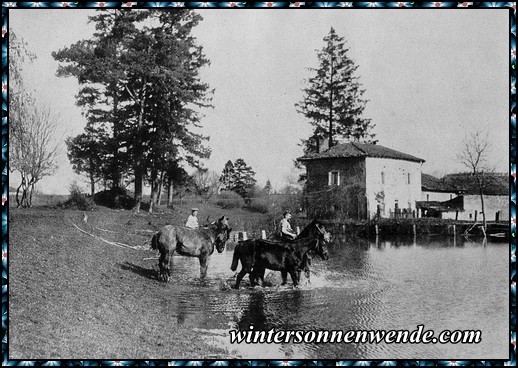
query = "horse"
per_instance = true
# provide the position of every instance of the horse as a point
(198, 243)
(291, 257)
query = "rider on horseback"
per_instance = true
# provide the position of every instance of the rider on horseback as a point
(192, 220)
(286, 231)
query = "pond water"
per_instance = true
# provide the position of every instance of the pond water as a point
(441, 283)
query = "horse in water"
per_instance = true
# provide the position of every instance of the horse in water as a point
(198, 243)
(291, 257)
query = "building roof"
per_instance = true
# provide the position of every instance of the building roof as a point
(432, 184)
(354, 149)
(494, 183)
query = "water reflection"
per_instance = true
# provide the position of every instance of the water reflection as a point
(443, 283)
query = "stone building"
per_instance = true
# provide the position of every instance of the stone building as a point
(359, 180)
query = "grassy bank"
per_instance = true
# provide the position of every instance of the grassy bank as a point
(72, 296)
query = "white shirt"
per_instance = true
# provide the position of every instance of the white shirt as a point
(286, 227)
(192, 222)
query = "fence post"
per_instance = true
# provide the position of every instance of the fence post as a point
(263, 234)
(298, 230)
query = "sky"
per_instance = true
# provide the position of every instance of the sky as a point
(431, 76)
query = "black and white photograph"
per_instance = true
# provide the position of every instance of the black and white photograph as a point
(288, 184)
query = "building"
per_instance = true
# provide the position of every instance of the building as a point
(361, 180)
(435, 189)
(496, 196)
(457, 196)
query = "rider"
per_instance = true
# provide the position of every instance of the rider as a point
(192, 220)
(286, 231)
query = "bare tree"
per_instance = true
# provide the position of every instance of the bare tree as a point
(206, 183)
(474, 153)
(32, 149)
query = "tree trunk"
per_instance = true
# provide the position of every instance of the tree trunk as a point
(92, 184)
(169, 193)
(331, 108)
(116, 176)
(24, 202)
(138, 186)
(139, 169)
(154, 189)
(18, 201)
(31, 190)
(481, 190)
(160, 182)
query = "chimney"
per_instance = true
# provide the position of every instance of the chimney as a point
(323, 144)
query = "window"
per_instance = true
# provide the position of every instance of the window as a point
(408, 178)
(428, 197)
(334, 178)
(383, 177)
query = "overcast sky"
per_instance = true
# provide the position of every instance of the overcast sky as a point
(431, 76)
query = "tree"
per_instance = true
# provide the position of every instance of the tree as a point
(206, 183)
(333, 102)
(227, 176)
(267, 187)
(145, 65)
(32, 150)
(244, 179)
(86, 153)
(177, 175)
(474, 152)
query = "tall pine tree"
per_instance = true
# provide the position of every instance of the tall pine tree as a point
(142, 70)
(244, 179)
(333, 102)
(227, 176)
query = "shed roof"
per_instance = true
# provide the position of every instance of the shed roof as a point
(354, 149)
(432, 184)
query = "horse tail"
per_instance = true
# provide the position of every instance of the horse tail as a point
(235, 258)
(154, 242)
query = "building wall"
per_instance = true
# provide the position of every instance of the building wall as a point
(492, 204)
(352, 172)
(428, 195)
(393, 186)
(344, 200)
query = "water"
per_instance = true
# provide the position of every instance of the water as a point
(439, 283)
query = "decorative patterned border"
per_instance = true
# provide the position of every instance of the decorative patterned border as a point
(512, 69)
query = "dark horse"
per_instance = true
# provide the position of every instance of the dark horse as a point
(288, 257)
(189, 242)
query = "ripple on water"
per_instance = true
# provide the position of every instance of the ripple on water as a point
(359, 287)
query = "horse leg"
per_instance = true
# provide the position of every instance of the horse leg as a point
(164, 274)
(294, 278)
(204, 264)
(239, 277)
(284, 275)
(257, 277)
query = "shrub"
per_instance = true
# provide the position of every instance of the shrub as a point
(114, 198)
(261, 205)
(77, 199)
(229, 200)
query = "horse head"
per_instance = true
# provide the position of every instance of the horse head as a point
(222, 233)
(323, 237)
